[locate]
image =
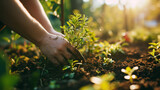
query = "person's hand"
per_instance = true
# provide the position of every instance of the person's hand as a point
(56, 33)
(56, 48)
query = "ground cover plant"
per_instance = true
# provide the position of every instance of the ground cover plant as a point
(129, 62)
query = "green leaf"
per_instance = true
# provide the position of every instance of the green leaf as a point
(128, 69)
(150, 47)
(17, 36)
(153, 44)
(66, 67)
(152, 53)
(6, 39)
(55, 6)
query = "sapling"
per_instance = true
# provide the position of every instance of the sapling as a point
(129, 73)
(77, 32)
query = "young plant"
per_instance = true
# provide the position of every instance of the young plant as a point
(77, 31)
(155, 50)
(129, 73)
(103, 82)
(106, 50)
(107, 61)
(72, 67)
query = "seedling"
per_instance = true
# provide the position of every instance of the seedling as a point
(155, 50)
(103, 82)
(77, 32)
(129, 73)
(107, 61)
(72, 67)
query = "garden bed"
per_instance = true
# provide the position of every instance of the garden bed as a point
(41, 73)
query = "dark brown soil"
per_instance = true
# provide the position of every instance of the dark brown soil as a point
(135, 55)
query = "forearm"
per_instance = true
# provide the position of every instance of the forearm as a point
(35, 8)
(13, 14)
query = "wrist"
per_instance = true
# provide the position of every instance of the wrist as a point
(45, 40)
(54, 32)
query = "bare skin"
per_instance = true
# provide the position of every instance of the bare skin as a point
(35, 8)
(16, 16)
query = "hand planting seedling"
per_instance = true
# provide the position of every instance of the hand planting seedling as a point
(77, 31)
(129, 73)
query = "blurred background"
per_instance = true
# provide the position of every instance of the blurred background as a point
(110, 19)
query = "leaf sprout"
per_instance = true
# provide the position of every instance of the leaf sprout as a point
(129, 73)
(104, 82)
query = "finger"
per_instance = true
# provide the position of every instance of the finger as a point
(60, 59)
(59, 34)
(55, 62)
(67, 55)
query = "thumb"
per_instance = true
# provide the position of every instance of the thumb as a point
(57, 33)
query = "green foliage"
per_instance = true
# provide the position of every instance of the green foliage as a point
(129, 73)
(155, 47)
(3, 64)
(77, 33)
(106, 50)
(53, 85)
(52, 7)
(12, 39)
(7, 81)
(107, 61)
(103, 82)
(72, 67)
